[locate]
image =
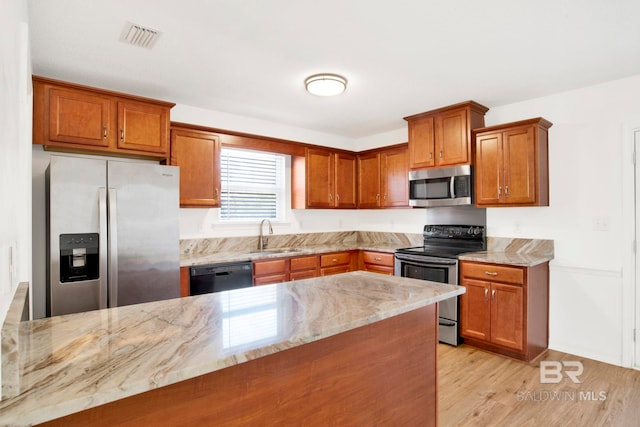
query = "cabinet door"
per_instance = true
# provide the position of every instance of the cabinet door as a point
(421, 143)
(452, 138)
(395, 177)
(345, 181)
(198, 155)
(520, 165)
(475, 310)
(78, 117)
(507, 310)
(319, 178)
(369, 181)
(143, 127)
(488, 169)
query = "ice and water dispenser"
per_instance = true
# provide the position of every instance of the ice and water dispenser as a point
(79, 257)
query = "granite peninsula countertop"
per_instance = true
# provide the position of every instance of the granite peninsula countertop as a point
(74, 362)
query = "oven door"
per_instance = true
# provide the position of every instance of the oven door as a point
(442, 270)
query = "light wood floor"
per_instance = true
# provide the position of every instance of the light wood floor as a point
(477, 388)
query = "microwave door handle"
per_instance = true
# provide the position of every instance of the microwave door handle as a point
(452, 187)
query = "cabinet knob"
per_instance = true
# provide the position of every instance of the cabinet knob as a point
(337, 198)
(506, 191)
(104, 132)
(486, 294)
(430, 155)
(499, 191)
(493, 294)
(334, 260)
(122, 135)
(440, 153)
(491, 273)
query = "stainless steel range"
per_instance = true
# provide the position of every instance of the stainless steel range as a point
(437, 261)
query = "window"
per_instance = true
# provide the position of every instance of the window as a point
(252, 185)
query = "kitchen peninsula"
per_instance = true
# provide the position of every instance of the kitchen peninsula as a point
(355, 348)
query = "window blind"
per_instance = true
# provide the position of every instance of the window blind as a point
(252, 184)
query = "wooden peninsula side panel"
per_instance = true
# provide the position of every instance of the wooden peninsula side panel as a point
(381, 374)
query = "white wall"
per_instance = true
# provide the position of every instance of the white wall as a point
(15, 146)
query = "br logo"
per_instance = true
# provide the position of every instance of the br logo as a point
(552, 372)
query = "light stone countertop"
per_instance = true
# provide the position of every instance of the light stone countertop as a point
(507, 258)
(74, 362)
(235, 256)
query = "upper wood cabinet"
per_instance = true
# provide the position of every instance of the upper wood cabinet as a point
(442, 137)
(330, 179)
(512, 164)
(74, 118)
(383, 178)
(198, 155)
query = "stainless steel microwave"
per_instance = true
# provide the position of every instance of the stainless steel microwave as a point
(441, 187)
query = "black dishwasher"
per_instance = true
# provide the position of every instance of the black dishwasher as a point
(209, 278)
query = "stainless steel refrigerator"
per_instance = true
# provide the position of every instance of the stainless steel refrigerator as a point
(112, 233)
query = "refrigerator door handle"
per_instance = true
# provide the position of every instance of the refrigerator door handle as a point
(102, 213)
(113, 248)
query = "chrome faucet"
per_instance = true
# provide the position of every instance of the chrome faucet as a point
(262, 240)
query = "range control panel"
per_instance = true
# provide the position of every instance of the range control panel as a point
(464, 232)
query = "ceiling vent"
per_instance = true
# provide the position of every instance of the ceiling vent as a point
(138, 35)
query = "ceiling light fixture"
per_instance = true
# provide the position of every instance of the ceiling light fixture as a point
(325, 84)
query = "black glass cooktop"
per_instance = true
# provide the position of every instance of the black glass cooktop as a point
(449, 241)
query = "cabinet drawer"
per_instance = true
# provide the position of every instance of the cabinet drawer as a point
(492, 272)
(335, 270)
(304, 263)
(306, 274)
(340, 258)
(378, 258)
(276, 266)
(383, 269)
(267, 280)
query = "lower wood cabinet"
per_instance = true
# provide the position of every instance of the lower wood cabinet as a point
(505, 308)
(285, 269)
(185, 279)
(303, 267)
(270, 271)
(337, 262)
(377, 262)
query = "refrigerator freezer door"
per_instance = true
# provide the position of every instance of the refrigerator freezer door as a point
(73, 215)
(143, 214)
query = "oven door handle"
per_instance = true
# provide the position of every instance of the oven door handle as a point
(426, 260)
(442, 323)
